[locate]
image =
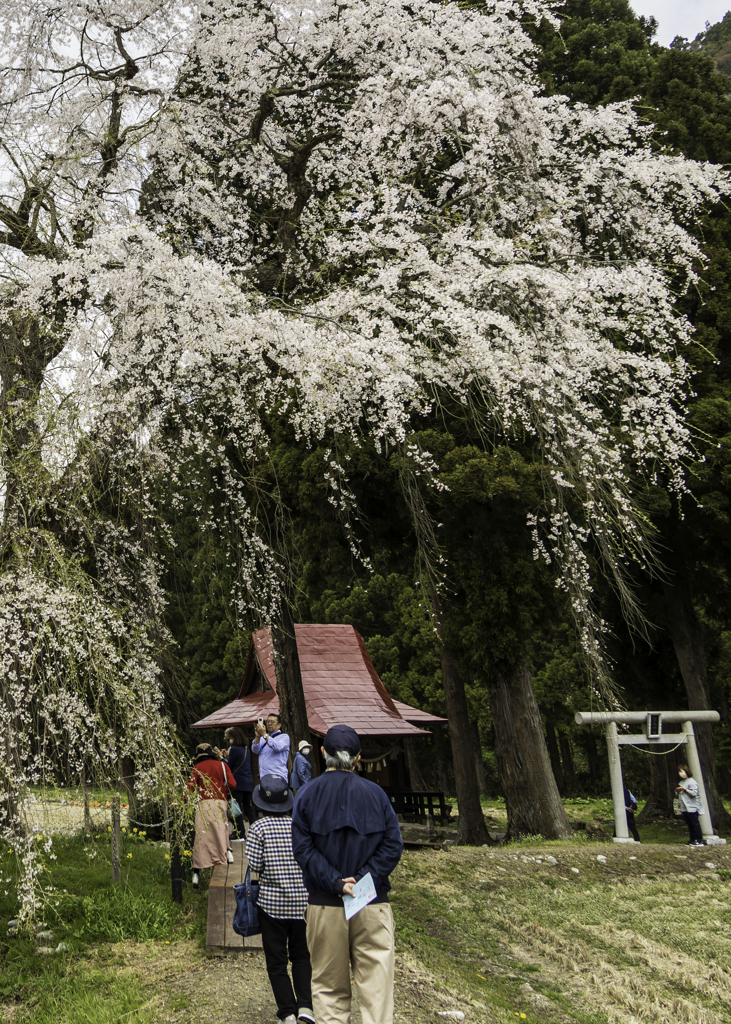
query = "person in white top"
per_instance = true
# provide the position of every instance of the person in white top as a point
(690, 804)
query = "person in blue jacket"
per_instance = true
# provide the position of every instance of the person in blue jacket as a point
(301, 769)
(343, 828)
(238, 758)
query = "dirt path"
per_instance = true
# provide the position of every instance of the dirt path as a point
(235, 989)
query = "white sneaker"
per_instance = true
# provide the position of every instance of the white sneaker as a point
(196, 880)
(291, 1019)
(306, 1014)
(230, 857)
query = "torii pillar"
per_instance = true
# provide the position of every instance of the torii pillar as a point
(652, 722)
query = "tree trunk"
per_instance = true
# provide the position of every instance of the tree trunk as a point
(663, 780)
(292, 706)
(553, 754)
(479, 763)
(567, 758)
(472, 830)
(531, 794)
(687, 635)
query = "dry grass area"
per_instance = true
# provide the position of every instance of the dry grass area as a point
(644, 937)
(63, 810)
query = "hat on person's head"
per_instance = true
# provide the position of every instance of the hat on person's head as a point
(304, 745)
(342, 737)
(204, 750)
(273, 794)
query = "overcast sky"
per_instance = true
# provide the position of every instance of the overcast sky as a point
(681, 17)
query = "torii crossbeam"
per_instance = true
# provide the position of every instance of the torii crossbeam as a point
(652, 723)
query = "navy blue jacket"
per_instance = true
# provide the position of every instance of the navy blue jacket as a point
(343, 826)
(239, 761)
(301, 771)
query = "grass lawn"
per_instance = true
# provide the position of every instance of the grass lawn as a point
(500, 933)
(89, 983)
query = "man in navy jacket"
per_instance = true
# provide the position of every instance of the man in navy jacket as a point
(343, 827)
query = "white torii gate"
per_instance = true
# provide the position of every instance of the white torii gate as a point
(652, 723)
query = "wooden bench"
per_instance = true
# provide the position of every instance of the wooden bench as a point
(412, 803)
(220, 936)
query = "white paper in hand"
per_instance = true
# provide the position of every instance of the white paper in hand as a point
(364, 892)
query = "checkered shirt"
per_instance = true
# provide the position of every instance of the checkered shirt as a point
(282, 891)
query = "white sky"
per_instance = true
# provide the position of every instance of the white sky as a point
(681, 17)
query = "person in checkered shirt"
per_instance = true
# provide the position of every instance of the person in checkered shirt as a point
(282, 901)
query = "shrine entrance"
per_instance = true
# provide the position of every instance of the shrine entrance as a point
(653, 732)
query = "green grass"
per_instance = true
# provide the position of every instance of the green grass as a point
(88, 913)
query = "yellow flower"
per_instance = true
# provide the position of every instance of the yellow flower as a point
(109, 828)
(134, 829)
(167, 856)
(143, 833)
(129, 856)
(187, 853)
(124, 829)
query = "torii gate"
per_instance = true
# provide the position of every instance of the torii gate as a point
(652, 733)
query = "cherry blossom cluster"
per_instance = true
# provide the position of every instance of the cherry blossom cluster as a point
(212, 216)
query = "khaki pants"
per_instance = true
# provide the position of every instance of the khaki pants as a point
(366, 942)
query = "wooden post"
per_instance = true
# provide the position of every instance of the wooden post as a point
(116, 840)
(177, 845)
(615, 775)
(88, 824)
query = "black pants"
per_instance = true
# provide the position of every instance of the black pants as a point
(285, 939)
(247, 808)
(694, 826)
(632, 827)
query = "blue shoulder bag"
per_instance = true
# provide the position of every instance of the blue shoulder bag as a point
(246, 916)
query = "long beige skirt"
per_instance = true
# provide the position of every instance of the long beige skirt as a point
(211, 834)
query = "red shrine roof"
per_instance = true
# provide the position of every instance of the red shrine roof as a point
(340, 684)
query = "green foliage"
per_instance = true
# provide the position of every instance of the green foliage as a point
(212, 643)
(114, 914)
(715, 41)
(601, 54)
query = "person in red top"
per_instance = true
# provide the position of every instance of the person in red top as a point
(211, 780)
